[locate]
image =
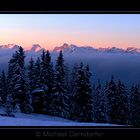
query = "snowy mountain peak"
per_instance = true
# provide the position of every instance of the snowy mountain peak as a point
(89, 49)
(70, 48)
(74, 49)
(61, 48)
(112, 50)
(65, 45)
(36, 48)
(132, 50)
(9, 46)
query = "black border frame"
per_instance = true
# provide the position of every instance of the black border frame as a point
(69, 7)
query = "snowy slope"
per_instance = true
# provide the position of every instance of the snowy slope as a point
(42, 120)
(33, 119)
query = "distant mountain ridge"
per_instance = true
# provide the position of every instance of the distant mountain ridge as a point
(66, 48)
(73, 48)
(36, 48)
(103, 62)
(9, 46)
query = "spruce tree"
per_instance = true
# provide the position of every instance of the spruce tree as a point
(12, 96)
(9, 104)
(31, 75)
(111, 93)
(21, 85)
(38, 83)
(68, 90)
(60, 96)
(4, 86)
(1, 92)
(105, 91)
(99, 104)
(10, 100)
(135, 106)
(17, 82)
(43, 71)
(83, 96)
(49, 81)
(122, 111)
(72, 100)
(88, 95)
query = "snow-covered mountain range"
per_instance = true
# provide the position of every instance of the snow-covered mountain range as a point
(88, 49)
(124, 64)
(34, 48)
(66, 48)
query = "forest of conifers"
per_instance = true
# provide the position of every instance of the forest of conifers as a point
(68, 92)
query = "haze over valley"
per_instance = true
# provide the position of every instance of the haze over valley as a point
(124, 64)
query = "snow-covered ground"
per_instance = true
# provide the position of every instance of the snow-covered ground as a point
(42, 120)
(21, 119)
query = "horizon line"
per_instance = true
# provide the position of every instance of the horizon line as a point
(68, 44)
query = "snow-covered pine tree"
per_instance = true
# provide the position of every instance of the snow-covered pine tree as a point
(1, 92)
(49, 81)
(11, 99)
(96, 107)
(99, 104)
(9, 104)
(22, 83)
(103, 99)
(17, 82)
(31, 75)
(72, 101)
(129, 106)
(83, 96)
(43, 71)
(88, 95)
(122, 110)
(68, 90)
(135, 106)
(111, 93)
(60, 96)
(38, 84)
(4, 86)
(105, 91)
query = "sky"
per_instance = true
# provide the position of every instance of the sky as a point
(51, 30)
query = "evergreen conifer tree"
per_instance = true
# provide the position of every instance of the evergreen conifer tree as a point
(122, 114)
(111, 93)
(83, 96)
(99, 104)
(43, 71)
(3, 87)
(31, 75)
(135, 106)
(1, 92)
(60, 96)
(38, 83)
(72, 100)
(17, 82)
(49, 81)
